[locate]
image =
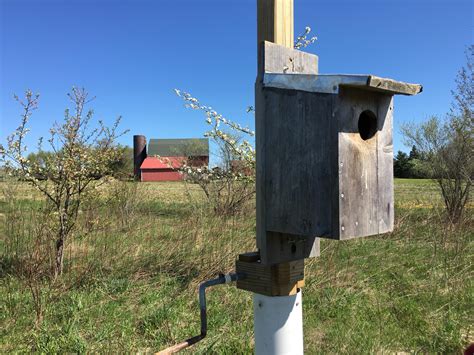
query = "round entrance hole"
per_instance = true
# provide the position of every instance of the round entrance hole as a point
(367, 124)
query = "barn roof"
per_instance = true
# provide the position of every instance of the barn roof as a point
(189, 147)
(164, 163)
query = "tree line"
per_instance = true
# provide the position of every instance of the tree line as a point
(411, 165)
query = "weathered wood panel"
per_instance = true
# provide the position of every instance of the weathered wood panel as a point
(281, 248)
(393, 86)
(358, 188)
(366, 173)
(320, 176)
(278, 59)
(385, 165)
(299, 170)
(286, 247)
(331, 83)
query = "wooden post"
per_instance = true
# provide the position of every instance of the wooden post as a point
(278, 268)
(275, 22)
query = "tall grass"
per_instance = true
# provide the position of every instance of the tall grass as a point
(140, 251)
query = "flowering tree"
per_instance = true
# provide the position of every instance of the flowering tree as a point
(303, 41)
(230, 185)
(79, 157)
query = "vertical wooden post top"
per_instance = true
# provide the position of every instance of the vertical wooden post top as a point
(275, 22)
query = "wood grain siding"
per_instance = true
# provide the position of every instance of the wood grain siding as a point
(365, 179)
(277, 247)
(279, 59)
(319, 177)
(272, 280)
(385, 165)
(275, 22)
(299, 170)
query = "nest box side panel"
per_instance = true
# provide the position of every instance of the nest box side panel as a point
(277, 247)
(275, 58)
(299, 173)
(365, 154)
(386, 203)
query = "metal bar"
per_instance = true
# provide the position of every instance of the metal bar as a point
(222, 279)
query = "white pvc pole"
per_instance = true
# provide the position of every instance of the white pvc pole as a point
(278, 324)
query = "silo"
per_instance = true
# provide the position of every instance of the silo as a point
(139, 154)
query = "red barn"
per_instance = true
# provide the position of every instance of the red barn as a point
(172, 154)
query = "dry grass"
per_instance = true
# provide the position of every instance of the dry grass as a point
(131, 282)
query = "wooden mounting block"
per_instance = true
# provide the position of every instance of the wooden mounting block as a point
(282, 279)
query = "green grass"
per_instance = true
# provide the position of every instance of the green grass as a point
(132, 287)
(417, 193)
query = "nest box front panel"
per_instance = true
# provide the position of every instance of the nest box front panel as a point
(365, 163)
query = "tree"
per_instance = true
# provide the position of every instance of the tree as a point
(414, 153)
(447, 145)
(80, 154)
(226, 189)
(231, 184)
(401, 165)
(39, 159)
(418, 169)
(122, 168)
(417, 165)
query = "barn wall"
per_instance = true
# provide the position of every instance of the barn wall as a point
(164, 174)
(160, 175)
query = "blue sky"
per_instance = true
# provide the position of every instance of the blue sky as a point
(132, 54)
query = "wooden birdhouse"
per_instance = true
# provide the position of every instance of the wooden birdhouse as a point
(324, 151)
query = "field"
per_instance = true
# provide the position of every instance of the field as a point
(140, 251)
